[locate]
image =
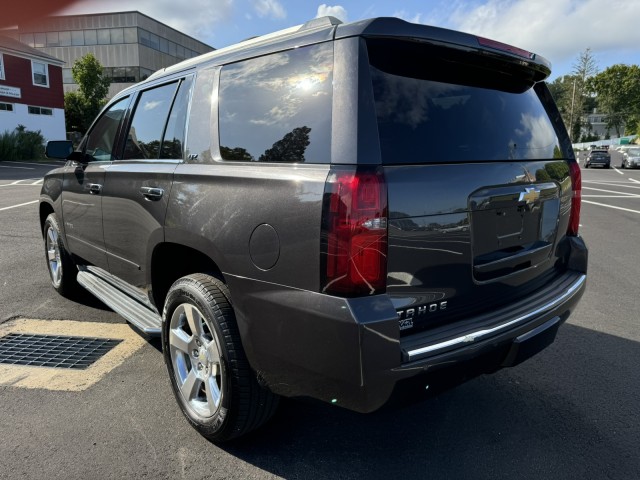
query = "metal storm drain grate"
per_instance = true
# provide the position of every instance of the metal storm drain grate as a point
(53, 350)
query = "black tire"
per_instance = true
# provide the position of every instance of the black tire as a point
(203, 352)
(62, 269)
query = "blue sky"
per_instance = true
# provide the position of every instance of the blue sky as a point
(556, 29)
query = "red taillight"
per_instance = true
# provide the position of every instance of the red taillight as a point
(486, 42)
(576, 183)
(354, 232)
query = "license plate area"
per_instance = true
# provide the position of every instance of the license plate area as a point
(513, 228)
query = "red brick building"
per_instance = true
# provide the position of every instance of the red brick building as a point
(31, 92)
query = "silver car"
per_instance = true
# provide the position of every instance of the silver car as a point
(631, 158)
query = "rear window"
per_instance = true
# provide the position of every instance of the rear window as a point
(431, 108)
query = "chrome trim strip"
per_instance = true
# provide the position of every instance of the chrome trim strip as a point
(472, 337)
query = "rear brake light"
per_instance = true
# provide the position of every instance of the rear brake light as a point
(486, 42)
(576, 183)
(354, 232)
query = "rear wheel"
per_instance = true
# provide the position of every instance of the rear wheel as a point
(210, 375)
(62, 270)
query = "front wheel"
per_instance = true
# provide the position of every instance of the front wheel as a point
(210, 375)
(62, 270)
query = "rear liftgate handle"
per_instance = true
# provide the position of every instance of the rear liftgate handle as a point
(151, 193)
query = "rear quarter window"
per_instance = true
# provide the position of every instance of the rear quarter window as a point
(277, 108)
(445, 111)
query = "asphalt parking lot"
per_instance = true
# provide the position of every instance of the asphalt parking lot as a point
(571, 412)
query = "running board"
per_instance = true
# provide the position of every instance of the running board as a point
(134, 312)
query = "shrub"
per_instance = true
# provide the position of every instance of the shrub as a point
(21, 144)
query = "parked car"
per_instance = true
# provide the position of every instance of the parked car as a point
(631, 158)
(601, 158)
(333, 211)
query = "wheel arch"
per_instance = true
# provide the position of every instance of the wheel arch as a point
(171, 261)
(46, 209)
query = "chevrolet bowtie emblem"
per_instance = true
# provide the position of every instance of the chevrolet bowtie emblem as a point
(530, 195)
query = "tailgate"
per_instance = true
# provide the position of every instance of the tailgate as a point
(460, 247)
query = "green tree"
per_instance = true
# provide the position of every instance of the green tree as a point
(618, 92)
(571, 94)
(81, 107)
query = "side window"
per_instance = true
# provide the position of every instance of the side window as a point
(173, 141)
(100, 141)
(144, 138)
(277, 108)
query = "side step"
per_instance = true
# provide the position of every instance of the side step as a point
(134, 312)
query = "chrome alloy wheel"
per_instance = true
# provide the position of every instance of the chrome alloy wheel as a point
(195, 355)
(53, 256)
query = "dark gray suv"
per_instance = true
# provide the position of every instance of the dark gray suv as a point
(336, 211)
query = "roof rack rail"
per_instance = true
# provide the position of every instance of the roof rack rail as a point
(327, 21)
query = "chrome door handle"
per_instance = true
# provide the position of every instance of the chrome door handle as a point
(152, 193)
(95, 188)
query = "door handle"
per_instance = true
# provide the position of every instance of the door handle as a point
(95, 188)
(152, 193)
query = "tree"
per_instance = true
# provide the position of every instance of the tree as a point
(81, 107)
(571, 94)
(290, 148)
(618, 91)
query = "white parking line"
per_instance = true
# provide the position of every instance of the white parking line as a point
(609, 191)
(32, 181)
(634, 180)
(610, 196)
(34, 163)
(22, 168)
(20, 205)
(611, 206)
(618, 171)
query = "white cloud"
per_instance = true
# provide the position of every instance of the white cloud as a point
(269, 8)
(555, 29)
(337, 11)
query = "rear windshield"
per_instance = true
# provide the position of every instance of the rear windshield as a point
(437, 110)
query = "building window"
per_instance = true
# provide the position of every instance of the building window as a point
(53, 39)
(65, 39)
(67, 76)
(1, 67)
(90, 37)
(6, 107)
(27, 38)
(131, 35)
(40, 111)
(40, 40)
(77, 38)
(40, 73)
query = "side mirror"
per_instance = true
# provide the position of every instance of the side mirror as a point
(60, 149)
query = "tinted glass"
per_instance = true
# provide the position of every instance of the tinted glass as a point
(117, 35)
(90, 37)
(65, 39)
(447, 112)
(174, 134)
(277, 108)
(77, 37)
(100, 141)
(104, 37)
(53, 40)
(149, 119)
(131, 35)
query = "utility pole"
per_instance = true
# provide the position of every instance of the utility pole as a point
(573, 99)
